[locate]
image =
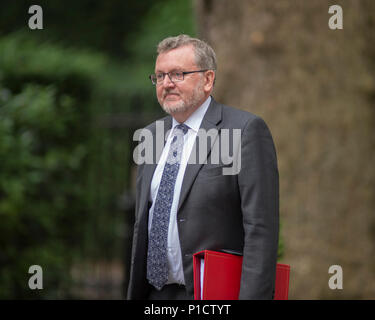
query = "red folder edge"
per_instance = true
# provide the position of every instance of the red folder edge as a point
(282, 282)
(224, 266)
(233, 266)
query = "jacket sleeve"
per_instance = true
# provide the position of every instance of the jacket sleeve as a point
(259, 188)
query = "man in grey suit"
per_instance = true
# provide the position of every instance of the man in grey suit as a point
(185, 206)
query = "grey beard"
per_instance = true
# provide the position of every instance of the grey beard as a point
(185, 106)
(191, 103)
(176, 109)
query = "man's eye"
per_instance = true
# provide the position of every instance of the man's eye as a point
(178, 74)
(159, 76)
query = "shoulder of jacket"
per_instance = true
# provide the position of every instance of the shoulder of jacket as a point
(239, 116)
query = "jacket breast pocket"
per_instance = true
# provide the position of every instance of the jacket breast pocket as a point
(210, 171)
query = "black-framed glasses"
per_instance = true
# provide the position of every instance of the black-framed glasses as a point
(174, 76)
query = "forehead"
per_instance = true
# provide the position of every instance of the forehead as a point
(179, 58)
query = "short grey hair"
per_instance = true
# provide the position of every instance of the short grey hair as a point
(205, 56)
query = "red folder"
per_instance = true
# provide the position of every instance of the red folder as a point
(222, 276)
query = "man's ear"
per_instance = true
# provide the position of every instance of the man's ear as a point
(209, 80)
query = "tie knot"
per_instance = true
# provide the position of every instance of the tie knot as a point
(183, 127)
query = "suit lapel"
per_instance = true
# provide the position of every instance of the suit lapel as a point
(211, 120)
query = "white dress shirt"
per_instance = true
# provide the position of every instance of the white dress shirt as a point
(176, 274)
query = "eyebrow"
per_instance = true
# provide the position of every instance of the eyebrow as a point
(173, 70)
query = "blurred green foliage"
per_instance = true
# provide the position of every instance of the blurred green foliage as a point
(63, 168)
(99, 25)
(45, 95)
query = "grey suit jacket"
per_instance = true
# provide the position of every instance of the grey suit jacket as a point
(234, 212)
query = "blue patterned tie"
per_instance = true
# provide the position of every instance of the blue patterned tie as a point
(157, 263)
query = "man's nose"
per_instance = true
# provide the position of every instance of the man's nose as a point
(167, 82)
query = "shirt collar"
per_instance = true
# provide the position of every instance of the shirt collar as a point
(195, 120)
